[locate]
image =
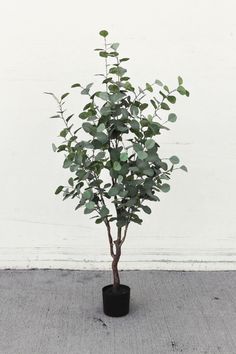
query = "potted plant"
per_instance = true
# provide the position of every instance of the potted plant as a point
(120, 123)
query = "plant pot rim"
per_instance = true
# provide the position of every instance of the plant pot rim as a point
(121, 286)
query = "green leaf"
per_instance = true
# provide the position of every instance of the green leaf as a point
(123, 194)
(149, 87)
(64, 95)
(113, 191)
(142, 155)
(104, 211)
(165, 187)
(134, 110)
(143, 106)
(103, 95)
(180, 80)
(172, 117)
(102, 137)
(165, 106)
(128, 86)
(171, 99)
(121, 222)
(153, 103)
(121, 71)
(146, 209)
(148, 172)
(87, 127)
(99, 221)
(120, 179)
(100, 155)
(181, 90)
(174, 160)
(56, 116)
(117, 97)
(149, 143)
(54, 147)
(88, 211)
(103, 33)
(75, 85)
(67, 163)
(115, 46)
(105, 111)
(90, 205)
(101, 127)
(69, 117)
(103, 54)
(124, 59)
(166, 88)
(134, 124)
(137, 147)
(71, 181)
(158, 82)
(116, 166)
(124, 156)
(184, 168)
(87, 194)
(59, 189)
(64, 133)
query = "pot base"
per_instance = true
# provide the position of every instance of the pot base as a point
(116, 301)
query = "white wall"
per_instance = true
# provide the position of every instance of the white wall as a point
(47, 46)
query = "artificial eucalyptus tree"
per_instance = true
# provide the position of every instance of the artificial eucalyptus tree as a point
(121, 122)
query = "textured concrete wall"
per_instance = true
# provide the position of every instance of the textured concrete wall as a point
(47, 46)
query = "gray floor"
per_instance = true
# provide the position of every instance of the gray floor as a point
(60, 312)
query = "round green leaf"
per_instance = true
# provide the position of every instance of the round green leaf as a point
(101, 127)
(87, 127)
(158, 82)
(102, 137)
(142, 155)
(181, 90)
(174, 160)
(120, 179)
(87, 194)
(90, 205)
(104, 211)
(115, 46)
(165, 187)
(165, 106)
(171, 99)
(124, 156)
(134, 124)
(172, 117)
(184, 168)
(103, 95)
(149, 144)
(148, 172)
(149, 87)
(113, 191)
(116, 166)
(100, 155)
(103, 33)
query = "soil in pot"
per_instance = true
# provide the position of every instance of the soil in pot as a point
(116, 301)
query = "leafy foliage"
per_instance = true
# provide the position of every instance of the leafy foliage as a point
(121, 122)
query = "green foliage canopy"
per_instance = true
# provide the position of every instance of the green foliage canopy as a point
(121, 123)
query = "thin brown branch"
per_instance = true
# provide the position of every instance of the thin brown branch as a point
(110, 237)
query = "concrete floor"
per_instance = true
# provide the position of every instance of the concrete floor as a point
(60, 312)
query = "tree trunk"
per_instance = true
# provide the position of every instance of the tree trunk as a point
(116, 277)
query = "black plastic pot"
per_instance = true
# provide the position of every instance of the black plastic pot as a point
(116, 301)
